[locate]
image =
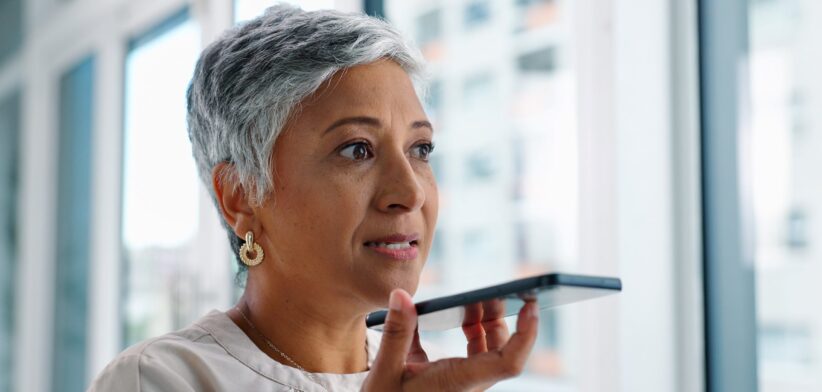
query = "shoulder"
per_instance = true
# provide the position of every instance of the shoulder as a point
(166, 363)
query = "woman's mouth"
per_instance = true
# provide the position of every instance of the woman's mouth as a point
(391, 245)
(398, 247)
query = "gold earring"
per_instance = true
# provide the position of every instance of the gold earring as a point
(251, 246)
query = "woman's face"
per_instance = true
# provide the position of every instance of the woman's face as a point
(355, 200)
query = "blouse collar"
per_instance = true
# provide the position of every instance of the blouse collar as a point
(239, 345)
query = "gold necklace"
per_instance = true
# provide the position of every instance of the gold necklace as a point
(268, 343)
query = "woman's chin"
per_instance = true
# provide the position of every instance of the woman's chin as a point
(380, 292)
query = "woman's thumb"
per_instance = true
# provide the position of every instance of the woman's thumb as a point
(397, 335)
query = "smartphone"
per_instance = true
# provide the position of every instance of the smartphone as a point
(504, 300)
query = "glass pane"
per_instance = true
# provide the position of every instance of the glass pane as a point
(73, 222)
(249, 9)
(11, 28)
(9, 136)
(786, 142)
(161, 194)
(507, 138)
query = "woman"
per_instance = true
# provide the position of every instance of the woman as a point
(308, 129)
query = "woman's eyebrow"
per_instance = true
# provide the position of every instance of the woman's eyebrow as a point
(372, 122)
(422, 124)
(360, 120)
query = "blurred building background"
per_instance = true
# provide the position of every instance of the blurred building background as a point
(671, 143)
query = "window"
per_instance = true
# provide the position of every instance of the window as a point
(480, 165)
(535, 14)
(73, 228)
(762, 194)
(785, 193)
(9, 135)
(478, 93)
(785, 346)
(11, 28)
(477, 13)
(433, 102)
(541, 60)
(429, 27)
(168, 281)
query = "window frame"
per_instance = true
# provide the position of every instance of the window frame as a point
(729, 268)
(73, 240)
(10, 104)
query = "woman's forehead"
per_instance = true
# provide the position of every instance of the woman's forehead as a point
(361, 81)
(365, 90)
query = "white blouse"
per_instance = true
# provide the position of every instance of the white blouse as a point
(214, 354)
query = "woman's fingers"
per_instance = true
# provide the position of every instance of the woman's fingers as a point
(476, 339)
(484, 326)
(397, 336)
(391, 372)
(472, 328)
(417, 353)
(480, 370)
(496, 330)
(510, 359)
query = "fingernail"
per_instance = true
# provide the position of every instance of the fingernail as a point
(534, 311)
(394, 301)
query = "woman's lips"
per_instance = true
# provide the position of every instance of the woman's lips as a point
(397, 246)
(409, 253)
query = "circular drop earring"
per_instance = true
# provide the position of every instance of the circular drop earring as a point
(250, 246)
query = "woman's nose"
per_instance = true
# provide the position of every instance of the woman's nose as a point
(400, 188)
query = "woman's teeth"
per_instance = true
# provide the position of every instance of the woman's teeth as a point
(391, 245)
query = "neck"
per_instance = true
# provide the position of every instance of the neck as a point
(314, 331)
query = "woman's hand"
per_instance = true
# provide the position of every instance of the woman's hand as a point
(402, 365)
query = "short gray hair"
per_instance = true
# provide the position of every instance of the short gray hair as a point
(248, 82)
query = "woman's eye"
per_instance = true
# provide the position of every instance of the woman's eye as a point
(357, 151)
(422, 151)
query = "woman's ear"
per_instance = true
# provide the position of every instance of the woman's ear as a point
(232, 199)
